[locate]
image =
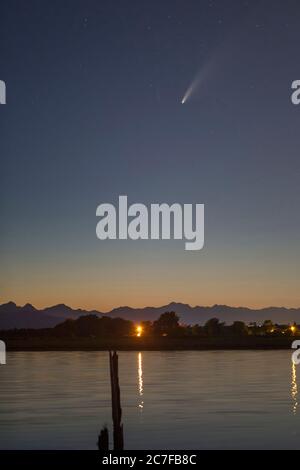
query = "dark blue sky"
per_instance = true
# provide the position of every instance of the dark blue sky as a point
(94, 92)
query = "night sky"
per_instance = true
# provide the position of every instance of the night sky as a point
(94, 91)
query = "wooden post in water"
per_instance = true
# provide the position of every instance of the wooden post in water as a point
(103, 439)
(116, 402)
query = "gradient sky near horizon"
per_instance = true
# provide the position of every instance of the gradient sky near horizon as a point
(94, 92)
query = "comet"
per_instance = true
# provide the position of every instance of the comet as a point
(193, 86)
(199, 79)
(215, 64)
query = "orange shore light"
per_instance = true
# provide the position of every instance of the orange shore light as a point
(139, 330)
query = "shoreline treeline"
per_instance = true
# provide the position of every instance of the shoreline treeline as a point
(167, 325)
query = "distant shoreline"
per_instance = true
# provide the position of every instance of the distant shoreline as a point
(148, 344)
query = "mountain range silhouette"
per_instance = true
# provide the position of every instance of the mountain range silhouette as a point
(27, 316)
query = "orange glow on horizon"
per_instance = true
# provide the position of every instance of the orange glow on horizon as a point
(139, 330)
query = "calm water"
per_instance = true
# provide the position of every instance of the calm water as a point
(186, 400)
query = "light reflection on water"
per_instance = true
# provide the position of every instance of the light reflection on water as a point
(140, 379)
(195, 400)
(294, 388)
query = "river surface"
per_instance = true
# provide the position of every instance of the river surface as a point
(170, 400)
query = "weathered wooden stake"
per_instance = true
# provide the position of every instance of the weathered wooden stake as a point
(116, 402)
(103, 439)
